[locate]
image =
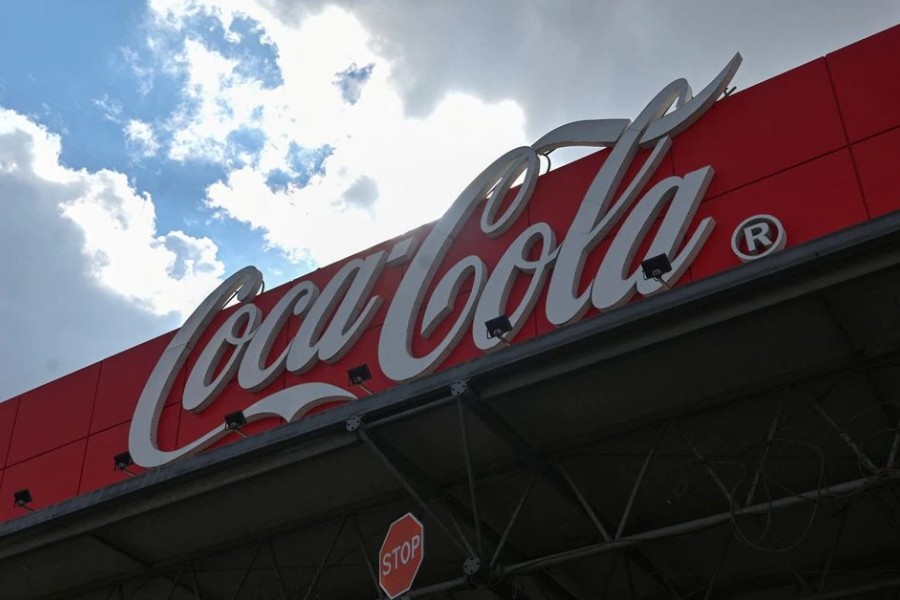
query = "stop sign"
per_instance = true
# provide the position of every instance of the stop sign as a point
(401, 555)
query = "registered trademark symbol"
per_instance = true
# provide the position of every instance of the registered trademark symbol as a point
(758, 236)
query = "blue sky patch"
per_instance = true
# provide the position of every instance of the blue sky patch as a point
(351, 81)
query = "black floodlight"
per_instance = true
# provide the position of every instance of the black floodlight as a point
(123, 461)
(22, 499)
(358, 375)
(657, 266)
(234, 421)
(498, 327)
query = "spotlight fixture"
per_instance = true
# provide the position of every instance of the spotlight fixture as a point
(498, 327)
(235, 421)
(358, 375)
(22, 499)
(123, 461)
(655, 267)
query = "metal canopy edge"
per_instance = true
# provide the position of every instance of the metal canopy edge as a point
(844, 255)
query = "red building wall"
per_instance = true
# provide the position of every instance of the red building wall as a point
(818, 147)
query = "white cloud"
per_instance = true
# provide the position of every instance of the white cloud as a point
(141, 138)
(163, 273)
(412, 167)
(55, 316)
(217, 102)
(112, 109)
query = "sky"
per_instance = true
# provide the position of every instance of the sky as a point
(150, 148)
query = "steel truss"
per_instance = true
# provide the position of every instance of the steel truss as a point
(489, 560)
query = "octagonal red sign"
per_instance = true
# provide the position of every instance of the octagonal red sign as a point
(401, 555)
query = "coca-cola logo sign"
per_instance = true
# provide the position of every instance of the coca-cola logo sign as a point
(333, 318)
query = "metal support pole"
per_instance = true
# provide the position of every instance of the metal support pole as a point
(585, 505)
(700, 524)
(421, 480)
(831, 551)
(629, 576)
(366, 557)
(240, 586)
(277, 570)
(888, 514)
(464, 432)
(412, 412)
(512, 521)
(765, 453)
(367, 440)
(895, 447)
(887, 584)
(324, 563)
(523, 451)
(175, 583)
(609, 577)
(721, 485)
(719, 565)
(130, 556)
(843, 435)
(194, 582)
(439, 587)
(709, 470)
(637, 484)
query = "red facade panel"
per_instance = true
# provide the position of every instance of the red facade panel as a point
(54, 414)
(50, 477)
(364, 351)
(122, 378)
(98, 470)
(770, 127)
(878, 164)
(866, 83)
(811, 200)
(8, 412)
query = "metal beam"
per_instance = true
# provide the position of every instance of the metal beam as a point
(367, 558)
(467, 452)
(524, 452)
(699, 524)
(324, 563)
(865, 460)
(431, 489)
(460, 542)
(638, 482)
(858, 591)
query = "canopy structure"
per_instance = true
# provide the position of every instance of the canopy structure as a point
(733, 438)
(670, 369)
